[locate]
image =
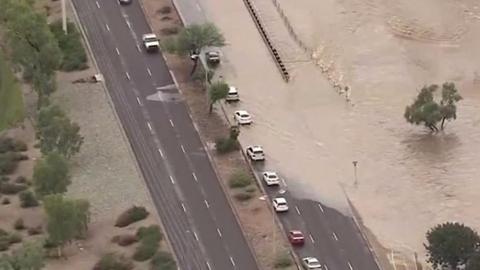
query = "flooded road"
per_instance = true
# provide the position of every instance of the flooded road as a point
(408, 180)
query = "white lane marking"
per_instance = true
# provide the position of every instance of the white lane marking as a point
(195, 177)
(183, 148)
(198, 7)
(160, 151)
(173, 78)
(195, 235)
(219, 233)
(231, 260)
(183, 207)
(139, 102)
(206, 203)
(128, 75)
(118, 52)
(335, 236)
(298, 210)
(171, 180)
(149, 72)
(208, 265)
(98, 5)
(171, 123)
(138, 48)
(108, 27)
(321, 208)
(311, 239)
(149, 126)
(349, 265)
(128, 24)
(326, 267)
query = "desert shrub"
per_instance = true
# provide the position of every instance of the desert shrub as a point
(226, 145)
(8, 162)
(35, 230)
(4, 178)
(19, 224)
(239, 179)
(165, 18)
(150, 232)
(131, 215)
(163, 261)
(73, 52)
(4, 243)
(124, 239)
(165, 10)
(10, 188)
(113, 261)
(169, 30)
(6, 201)
(243, 196)
(145, 250)
(250, 189)
(14, 238)
(282, 261)
(27, 199)
(8, 144)
(21, 180)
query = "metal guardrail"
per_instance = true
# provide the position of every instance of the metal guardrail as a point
(268, 42)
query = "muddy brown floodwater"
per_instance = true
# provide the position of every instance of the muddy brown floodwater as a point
(385, 51)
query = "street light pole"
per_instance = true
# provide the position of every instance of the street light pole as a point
(355, 172)
(64, 17)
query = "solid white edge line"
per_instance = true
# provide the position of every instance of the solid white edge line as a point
(311, 238)
(326, 267)
(98, 5)
(139, 102)
(208, 265)
(195, 177)
(349, 265)
(160, 151)
(321, 208)
(195, 235)
(171, 123)
(171, 180)
(183, 207)
(232, 261)
(206, 203)
(138, 48)
(183, 148)
(118, 52)
(298, 210)
(128, 24)
(219, 233)
(108, 27)
(173, 78)
(149, 72)
(335, 236)
(149, 126)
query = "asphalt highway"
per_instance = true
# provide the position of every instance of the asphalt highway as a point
(195, 213)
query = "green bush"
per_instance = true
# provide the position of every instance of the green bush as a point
(251, 189)
(124, 240)
(8, 144)
(163, 261)
(131, 215)
(4, 178)
(27, 199)
(113, 261)
(239, 179)
(169, 30)
(226, 145)
(149, 241)
(150, 232)
(34, 230)
(14, 238)
(10, 188)
(282, 261)
(19, 224)
(21, 180)
(8, 162)
(165, 10)
(5, 201)
(74, 55)
(4, 243)
(243, 196)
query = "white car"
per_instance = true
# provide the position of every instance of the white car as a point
(280, 204)
(255, 153)
(151, 42)
(232, 94)
(271, 178)
(242, 118)
(311, 263)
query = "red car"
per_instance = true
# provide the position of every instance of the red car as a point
(296, 237)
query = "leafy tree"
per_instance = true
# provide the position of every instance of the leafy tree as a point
(217, 92)
(474, 261)
(32, 45)
(30, 256)
(66, 219)
(427, 111)
(51, 175)
(57, 132)
(193, 39)
(450, 244)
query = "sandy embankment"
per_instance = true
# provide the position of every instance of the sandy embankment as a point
(408, 180)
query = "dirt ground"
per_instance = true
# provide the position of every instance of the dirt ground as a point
(255, 215)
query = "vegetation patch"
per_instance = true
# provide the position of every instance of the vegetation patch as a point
(125, 239)
(113, 261)
(243, 196)
(150, 238)
(27, 199)
(131, 215)
(8, 144)
(163, 260)
(74, 56)
(282, 261)
(239, 179)
(10, 188)
(11, 98)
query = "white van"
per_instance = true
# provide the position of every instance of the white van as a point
(232, 94)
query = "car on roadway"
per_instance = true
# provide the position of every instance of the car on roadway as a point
(242, 117)
(280, 204)
(151, 42)
(255, 153)
(124, 2)
(213, 57)
(232, 94)
(296, 238)
(271, 178)
(311, 263)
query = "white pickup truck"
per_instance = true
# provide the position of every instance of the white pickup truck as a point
(151, 42)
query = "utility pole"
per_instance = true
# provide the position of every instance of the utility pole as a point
(64, 17)
(355, 172)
